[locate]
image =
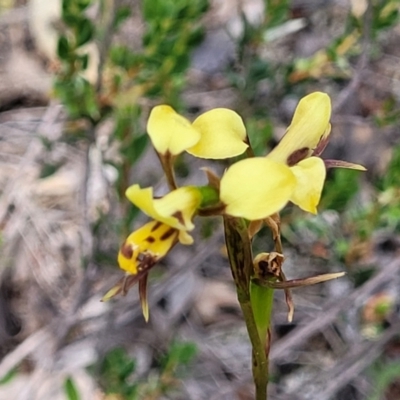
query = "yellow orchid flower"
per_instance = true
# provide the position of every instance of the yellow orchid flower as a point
(141, 250)
(176, 209)
(259, 187)
(144, 247)
(256, 188)
(308, 131)
(305, 138)
(218, 133)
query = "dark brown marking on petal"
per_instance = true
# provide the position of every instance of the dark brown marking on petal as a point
(147, 262)
(150, 239)
(179, 216)
(297, 156)
(156, 226)
(168, 234)
(127, 251)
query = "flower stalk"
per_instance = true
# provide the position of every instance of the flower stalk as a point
(240, 258)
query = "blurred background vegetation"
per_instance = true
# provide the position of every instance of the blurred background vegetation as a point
(77, 81)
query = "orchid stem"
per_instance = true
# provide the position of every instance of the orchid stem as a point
(240, 258)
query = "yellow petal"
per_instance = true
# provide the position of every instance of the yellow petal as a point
(309, 125)
(310, 174)
(256, 187)
(185, 238)
(223, 134)
(169, 131)
(175, 209)
(144, 247)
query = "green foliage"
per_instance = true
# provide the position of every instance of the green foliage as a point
(383, 375)
(392, 176)
(172, 30)
(79, 98)
(385, 14)
(76, 93)
(259, 131)
(116, 373)
(277, 12)
(179, 354)
(334, 60)
(121, 14)
(340, 189)
(10, 374)
(71, 391)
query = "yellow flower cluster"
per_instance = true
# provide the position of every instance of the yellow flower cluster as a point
(253, 188)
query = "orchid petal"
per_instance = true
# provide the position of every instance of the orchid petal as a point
(145, 246)
(256, 187)
(310, 174)
(310, 125)
(170, 132)
(175, 209)
(223, 134)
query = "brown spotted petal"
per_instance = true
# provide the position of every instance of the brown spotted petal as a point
(147, 245)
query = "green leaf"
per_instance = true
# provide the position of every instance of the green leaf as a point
(82, 4)
(84, 59)
(339, 189)
(392, 176)
(136, 148)
(71, 19)
(70, 390)
(121, 15)
(179, 354)
(8, 376)
(66, 6)
(63, 48)
(123, 57)
(84, 32)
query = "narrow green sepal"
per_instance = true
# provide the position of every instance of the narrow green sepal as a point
(261, 299)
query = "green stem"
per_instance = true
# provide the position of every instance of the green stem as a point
(241, 261)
